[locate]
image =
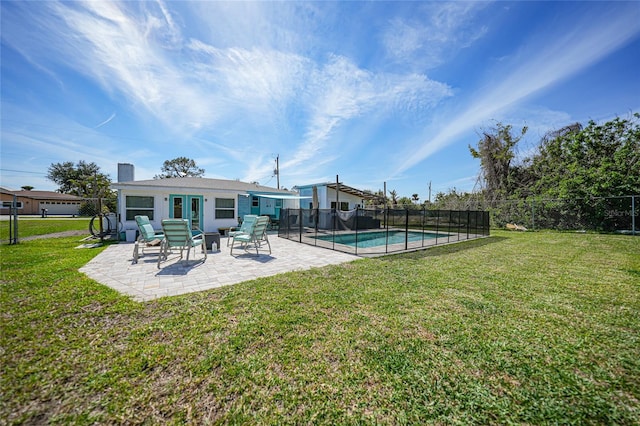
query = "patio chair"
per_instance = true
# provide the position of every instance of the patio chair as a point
(245, 227)
(257, 236)
(177, 234)
(148, 237)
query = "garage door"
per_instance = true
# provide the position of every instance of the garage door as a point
(60, 207)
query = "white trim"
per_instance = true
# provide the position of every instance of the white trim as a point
(280, 197)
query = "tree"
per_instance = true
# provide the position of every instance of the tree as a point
(600, 160)
(180, 167)
(454, 200)
(84, 180)
(496, 150)
(415, 198)
(407, 203)
(578, 175)
(394, 197)
(26, 188)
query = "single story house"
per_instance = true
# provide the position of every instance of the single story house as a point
(208, 204)
(33, 202)
(337, 197)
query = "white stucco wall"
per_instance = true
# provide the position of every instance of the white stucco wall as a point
(162, 206)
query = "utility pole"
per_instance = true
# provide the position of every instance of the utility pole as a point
(277, 170)
(385, 194)
(429, 192)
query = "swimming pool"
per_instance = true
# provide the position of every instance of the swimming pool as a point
(378, 238)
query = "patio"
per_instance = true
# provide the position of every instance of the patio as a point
(144, 281)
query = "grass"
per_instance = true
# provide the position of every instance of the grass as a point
(29, 226)
(525, 328)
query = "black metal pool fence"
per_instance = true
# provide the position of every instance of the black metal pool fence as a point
(374, 231)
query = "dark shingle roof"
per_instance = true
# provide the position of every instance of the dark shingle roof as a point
(43, 195)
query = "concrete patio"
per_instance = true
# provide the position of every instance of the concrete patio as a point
(143, 281)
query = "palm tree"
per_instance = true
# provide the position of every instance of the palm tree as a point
(415, 198)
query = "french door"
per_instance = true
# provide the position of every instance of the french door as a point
(187, 207)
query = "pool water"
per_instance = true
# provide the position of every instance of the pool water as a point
(378, 238)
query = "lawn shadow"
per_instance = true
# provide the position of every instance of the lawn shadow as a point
(446, 248)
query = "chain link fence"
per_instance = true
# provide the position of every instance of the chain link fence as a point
(606, 214)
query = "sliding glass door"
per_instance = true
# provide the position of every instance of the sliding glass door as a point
(187, 207)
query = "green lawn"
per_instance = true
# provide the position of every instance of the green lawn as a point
(30, 226)
(525, 328)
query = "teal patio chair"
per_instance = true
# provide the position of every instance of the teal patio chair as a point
(247, 224)
(148, 238)
(256, 236)
(178, 234)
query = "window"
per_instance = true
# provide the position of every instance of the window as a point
(225, 208)
(136, 205)
(8, 204)
(177, 207)
(344, 206)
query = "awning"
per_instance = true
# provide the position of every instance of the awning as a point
(353, 191)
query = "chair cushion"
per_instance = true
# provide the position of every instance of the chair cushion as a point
(147, 231)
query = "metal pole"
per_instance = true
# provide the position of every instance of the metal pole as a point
(300, 225)
(424, 219)
(633, 215)
(101, 217)
(385, 204)
(15, 219)
(437, 225)
(385, 193)
(386, 225)
(356, 226)
(406, 229)
(337, 193)
(533, 215)
(10, 224)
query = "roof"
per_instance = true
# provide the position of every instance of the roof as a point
(354, 191)
(279, 196)
(344, 188)
(199, 183)
(42, 195)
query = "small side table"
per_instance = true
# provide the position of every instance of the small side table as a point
(210, 238)
(223, 231)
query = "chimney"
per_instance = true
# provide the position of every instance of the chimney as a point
(125, 172)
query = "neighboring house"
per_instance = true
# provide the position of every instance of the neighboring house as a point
(209, 204)
(346, 198)
(33, 202)
(333, 195)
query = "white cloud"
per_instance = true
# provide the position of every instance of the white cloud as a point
(105, 122)
(342, 92)
(540, 65)
(438, 31)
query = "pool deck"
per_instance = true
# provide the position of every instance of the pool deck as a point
(143, 281)
(391, 248)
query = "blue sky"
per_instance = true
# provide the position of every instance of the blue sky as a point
(373, 92)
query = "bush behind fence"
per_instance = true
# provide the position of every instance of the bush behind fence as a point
(611, 214)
